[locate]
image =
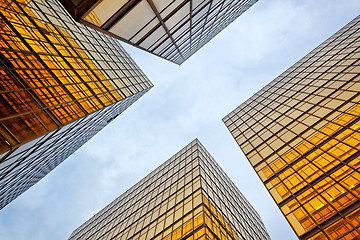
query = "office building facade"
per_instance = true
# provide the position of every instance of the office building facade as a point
(61, 83)
(173, 30)
(187, 197)
(301, 135)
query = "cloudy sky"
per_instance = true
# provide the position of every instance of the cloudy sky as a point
(187, 102)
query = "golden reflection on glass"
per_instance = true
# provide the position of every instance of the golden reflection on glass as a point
(62, 82)
(206, 224)
(301, 135)
(49, 80)
(176, 201)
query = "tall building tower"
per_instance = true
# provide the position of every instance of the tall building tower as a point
(61, 83)
(301, 135)
(187, 197)
(173, 30)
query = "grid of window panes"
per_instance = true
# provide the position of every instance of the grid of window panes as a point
(169, 203)
(301, 135)
(59, 78)
(29, 163)
(227, 197)
(173, 30)
(55, 70)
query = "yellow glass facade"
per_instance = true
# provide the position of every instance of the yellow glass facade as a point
(48, 79)
(301, 135)
(177, 201)
(173, 30)
(62, 82)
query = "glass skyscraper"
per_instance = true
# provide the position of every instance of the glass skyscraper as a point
(301, 135)
(62, 82)
(187, 197)
(173, 30)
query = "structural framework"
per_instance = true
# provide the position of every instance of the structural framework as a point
(187, 197)
(61, 83)
(173, 30)
(301, 135)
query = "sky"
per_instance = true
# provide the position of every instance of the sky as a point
(187, 102)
